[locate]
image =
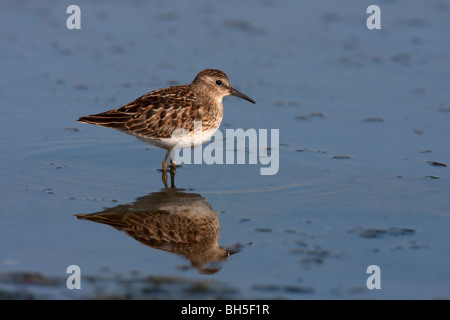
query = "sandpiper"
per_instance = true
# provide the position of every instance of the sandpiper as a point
(155, 116)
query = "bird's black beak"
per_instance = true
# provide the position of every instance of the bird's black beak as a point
(239, 94)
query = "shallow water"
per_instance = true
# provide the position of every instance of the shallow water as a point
(361, 115)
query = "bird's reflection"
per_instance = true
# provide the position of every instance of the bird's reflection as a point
(175, 221)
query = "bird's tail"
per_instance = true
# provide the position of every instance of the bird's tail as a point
(116, 120)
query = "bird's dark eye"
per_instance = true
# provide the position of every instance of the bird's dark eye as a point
(218, 82)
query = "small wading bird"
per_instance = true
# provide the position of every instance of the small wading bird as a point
(155, 116)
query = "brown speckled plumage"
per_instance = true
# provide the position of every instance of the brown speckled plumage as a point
(154, 116)
(173, 221)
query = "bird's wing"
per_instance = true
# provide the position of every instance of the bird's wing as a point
(154, 115)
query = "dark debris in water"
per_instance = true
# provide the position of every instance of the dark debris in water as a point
(312, 255)
(81, 86)
(29, 278)
(72, 129)
(283, 103)
(376, 233)
(32, 285)
(243, 25)
(437, 164)
(373, 119)
(47, 190)
(306, 149)
(310, 116)
(432, 177)
(341, 157)
(283, 288)
(403, 59)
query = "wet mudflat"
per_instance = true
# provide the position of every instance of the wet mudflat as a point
(364, 129)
